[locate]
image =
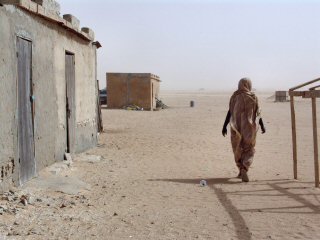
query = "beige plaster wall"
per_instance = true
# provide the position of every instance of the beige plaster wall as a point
(49, 43)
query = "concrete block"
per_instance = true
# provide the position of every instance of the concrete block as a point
(41, 10)
(21, 3)
(49, 5)
(12, 2)
(53, 16)
(85, 36)
(81, 34)
(52, 5)
(40, 2)
(73, 20)
(33, 7)
(70, 26)
(67, 24)
(25, 4)
(89, 31)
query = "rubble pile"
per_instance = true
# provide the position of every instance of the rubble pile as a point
(160, 104)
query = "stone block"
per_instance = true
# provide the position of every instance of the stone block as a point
(53, 16)
(49, 5)
(88, 31)
(25, 4)
(67, 24)
(33, 7)
(73, 20)
(40, 2)
(41, 10)
(12, 2)
(22, 3)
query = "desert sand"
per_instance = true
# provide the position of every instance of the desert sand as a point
(142, 180)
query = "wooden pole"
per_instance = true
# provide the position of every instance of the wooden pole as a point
(294, 138)
(304, 84)
(99, 114)
(315, 142)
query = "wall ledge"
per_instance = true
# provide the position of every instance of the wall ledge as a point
(70, 24)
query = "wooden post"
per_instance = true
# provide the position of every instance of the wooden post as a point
(315, 142)
(99, 114)
(294, 139)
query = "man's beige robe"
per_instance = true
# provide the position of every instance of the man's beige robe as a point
(244, 110)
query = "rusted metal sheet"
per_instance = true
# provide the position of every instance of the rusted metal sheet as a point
(70, 100)
(25, 112)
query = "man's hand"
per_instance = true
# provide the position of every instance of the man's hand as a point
(224, 131)
(263, 129)
(226, 122)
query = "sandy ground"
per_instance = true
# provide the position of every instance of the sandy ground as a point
(145, 185)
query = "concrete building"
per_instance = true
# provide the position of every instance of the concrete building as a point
(48, 89)
(139, 89)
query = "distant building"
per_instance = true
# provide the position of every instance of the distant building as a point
(126, 89)
(281, 96)
(48, 92)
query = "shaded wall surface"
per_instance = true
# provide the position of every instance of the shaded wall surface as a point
(50, 42)
(125, 89)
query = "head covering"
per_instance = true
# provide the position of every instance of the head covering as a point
(245, 85)
(244, 98)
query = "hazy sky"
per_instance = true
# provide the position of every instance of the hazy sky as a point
(209, 44)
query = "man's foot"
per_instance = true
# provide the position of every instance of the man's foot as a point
(244, 175)
(239, 175)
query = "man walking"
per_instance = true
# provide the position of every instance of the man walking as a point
(242, 115)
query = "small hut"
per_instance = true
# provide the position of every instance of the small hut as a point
(281, 96)
(125, 89)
